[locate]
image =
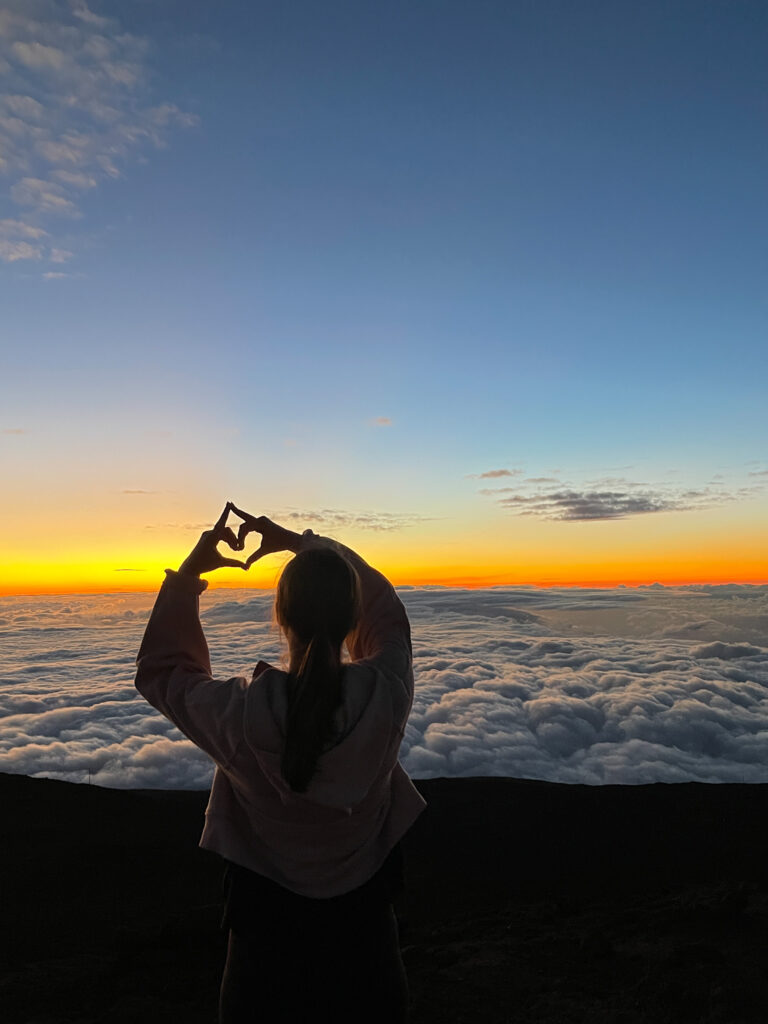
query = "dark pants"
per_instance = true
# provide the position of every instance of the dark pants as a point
(292, 959)
(347, 972)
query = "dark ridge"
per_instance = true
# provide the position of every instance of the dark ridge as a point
(527, 901)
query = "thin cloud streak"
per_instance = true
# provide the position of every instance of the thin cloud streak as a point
(493, 474)
(330, 519)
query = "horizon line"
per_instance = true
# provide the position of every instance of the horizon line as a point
(450, 583)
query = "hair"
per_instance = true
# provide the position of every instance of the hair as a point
(318, 602)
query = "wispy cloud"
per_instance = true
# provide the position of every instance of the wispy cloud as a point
(334, 518)
(494, 474)
(44, 197)
(18, 229)
(15, 430)
(382, 421)
(197, 527)
(75, 105)
(11, 251)
(320, 520)
(21, 241)
(136, 490)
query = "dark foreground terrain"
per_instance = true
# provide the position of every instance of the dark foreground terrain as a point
(526, 902)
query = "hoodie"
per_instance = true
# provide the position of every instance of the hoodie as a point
(334, 837)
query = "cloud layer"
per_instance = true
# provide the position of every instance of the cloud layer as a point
(74, 107)
(570, 685)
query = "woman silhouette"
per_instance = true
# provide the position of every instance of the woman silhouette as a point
(308, 801)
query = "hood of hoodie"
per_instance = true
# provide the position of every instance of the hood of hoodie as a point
(346, 772)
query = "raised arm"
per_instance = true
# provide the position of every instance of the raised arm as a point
(173, 665)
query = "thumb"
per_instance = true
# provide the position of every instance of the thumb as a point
(255, 557)
(234, 563)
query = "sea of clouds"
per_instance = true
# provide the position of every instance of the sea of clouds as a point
(570, 685)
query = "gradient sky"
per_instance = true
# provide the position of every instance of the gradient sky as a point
(479, 288)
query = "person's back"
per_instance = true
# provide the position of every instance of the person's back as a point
(309, 800)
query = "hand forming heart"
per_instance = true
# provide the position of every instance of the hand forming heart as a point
(273, 537)
(205, 556)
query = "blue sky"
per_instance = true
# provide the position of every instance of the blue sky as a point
(528, 235)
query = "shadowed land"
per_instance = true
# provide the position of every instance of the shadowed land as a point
(526, 901)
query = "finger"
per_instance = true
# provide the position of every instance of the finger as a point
(239, 512)
(221, 522)
(254, 557)
(228, 535)
(242, 532)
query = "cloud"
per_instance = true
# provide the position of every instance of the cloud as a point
(38, 56)
(10, 252)
(382, 421)
(197, 527)
(609, 498)
(19, 229)
(573, 505)
(330, 519)
(563, 684)
(80, 10)
(76, 179)
(137, 490)
(43, 196)
(725, 652)
(493, 474)
(77, 106)
(24, 107)
(15, 430)
(20, 241)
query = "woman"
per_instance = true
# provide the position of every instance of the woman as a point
(309, 801)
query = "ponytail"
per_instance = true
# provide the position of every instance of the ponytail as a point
(318, 601)
(314, 693)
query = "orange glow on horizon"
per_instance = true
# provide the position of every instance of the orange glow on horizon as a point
(101, 583)
(670, 550)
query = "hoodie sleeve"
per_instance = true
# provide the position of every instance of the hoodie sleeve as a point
(383, 636)
(174, 672)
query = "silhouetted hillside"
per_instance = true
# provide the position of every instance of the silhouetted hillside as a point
(526, 902)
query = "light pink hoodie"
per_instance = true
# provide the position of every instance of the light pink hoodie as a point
(335, 836)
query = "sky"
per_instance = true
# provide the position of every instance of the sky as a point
(571, 685)
(477, 288)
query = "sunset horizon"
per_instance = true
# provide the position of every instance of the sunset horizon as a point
(663, 549)
(400, 578)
